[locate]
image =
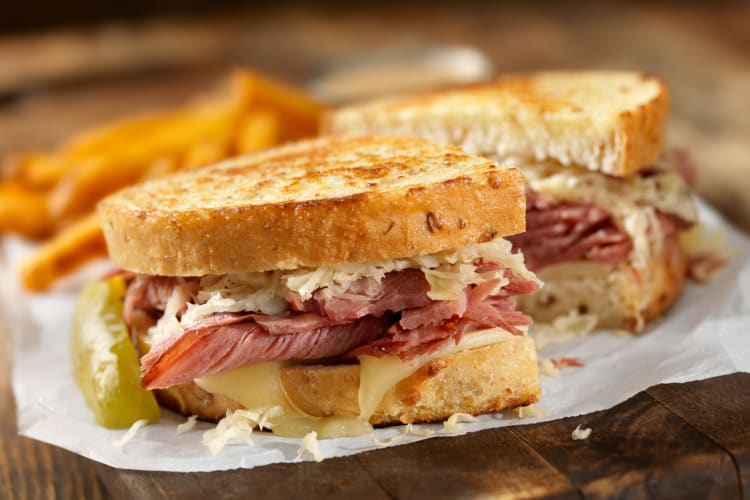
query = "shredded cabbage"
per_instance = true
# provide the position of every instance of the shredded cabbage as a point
(168, 324)
(130, 434)
(579, 434)
(188, 425)
(310, 445)
(238, 425)
(665, 189)
(453, 424)
(632, 200)
(405, 431)
(448, 274)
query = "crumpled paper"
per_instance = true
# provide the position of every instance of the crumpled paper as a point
(704, 335)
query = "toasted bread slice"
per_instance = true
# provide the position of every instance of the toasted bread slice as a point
(325, 201)
(482, 380)
(612, 122)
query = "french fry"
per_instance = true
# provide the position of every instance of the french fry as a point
(98, 140)
(136, 141)
(64, 253)
(159, 168)
(36, 170)
(91, 179)
(13, 167)
(43, 171)
(102, 141)
(81, 188)
(41, 193)
(260, 129)
(299, 113)
(204, 153)
(23, 212)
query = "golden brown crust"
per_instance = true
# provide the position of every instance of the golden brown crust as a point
(482, 380)
(190, 399)
(613, 122)
(307, 204)
(667, 272)
(642, 130)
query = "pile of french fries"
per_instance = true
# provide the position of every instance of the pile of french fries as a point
(51, 196)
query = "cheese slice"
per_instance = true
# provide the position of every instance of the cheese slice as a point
(258, 386)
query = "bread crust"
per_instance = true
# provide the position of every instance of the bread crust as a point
(481, 380)
(667, 271)
(612, 122)
(385, 198)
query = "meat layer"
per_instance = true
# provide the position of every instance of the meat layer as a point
(563, 231)
(392, 317)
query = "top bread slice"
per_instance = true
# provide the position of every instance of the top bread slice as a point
(307, 204)
(611, 122)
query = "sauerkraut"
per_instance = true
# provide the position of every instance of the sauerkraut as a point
(448, 273)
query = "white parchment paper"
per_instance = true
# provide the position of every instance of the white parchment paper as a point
(706, 334)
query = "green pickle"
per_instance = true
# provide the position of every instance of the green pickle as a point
(105, 363)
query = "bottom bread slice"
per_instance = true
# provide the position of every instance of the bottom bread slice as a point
(620, 296)
(482, 380)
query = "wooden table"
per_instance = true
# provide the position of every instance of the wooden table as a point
(685, 440)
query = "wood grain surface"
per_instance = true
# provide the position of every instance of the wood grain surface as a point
(638, 449)
(671, 441)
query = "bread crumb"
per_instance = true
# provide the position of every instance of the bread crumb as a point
(579, 434)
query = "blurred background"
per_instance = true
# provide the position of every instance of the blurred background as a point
(68, 66)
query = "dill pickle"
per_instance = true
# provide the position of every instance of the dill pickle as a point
(105, 363)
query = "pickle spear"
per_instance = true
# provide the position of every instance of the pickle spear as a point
(105, 363)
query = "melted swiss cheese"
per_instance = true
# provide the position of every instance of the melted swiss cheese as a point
(259, 386)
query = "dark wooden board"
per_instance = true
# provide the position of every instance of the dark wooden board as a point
(720, 409)
(638, 449)
(439, 468)
(331, 479)
(493, 462)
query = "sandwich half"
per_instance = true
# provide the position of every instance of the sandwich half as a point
(341, 282)
(604, 205)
